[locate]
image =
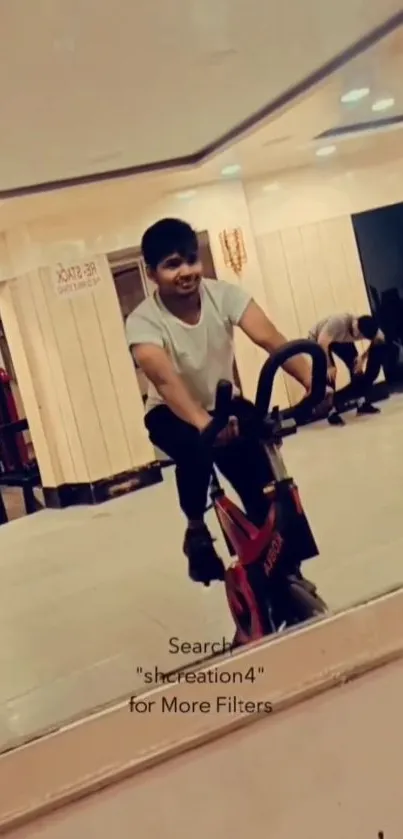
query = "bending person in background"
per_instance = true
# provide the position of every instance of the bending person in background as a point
(337, 335)
(182, 337)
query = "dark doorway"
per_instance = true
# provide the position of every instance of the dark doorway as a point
(379, 235)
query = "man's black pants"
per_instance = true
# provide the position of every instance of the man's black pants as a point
(242, 461)
(360, 384)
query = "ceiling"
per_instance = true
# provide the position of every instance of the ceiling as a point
(291, 139)
(90, 88)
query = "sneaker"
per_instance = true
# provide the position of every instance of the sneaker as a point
(334, 418)
(367, 408)
(204, 563)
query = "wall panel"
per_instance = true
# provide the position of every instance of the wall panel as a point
(310, 272)
(76, 377)
(68, 438)
(280, 306)
(27, 306)
(70, 342)
(124, 390)
(100, 384)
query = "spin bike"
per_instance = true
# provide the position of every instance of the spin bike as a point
(265, 589)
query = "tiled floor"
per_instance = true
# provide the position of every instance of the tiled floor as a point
(89, 595)
(330, 767)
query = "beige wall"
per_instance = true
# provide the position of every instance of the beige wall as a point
(302, 263)
(115, 226)
(75, 376)
(326, 191)
(310, 271)
(306, 244)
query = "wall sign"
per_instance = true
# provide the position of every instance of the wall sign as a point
(70, 280)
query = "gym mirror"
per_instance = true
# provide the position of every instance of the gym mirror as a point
(122, 622)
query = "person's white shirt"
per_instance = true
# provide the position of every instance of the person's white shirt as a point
(203, 353)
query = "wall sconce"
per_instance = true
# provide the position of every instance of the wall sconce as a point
(233, 249)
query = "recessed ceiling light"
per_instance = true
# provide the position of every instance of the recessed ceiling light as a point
(184, 196)
(274, 187)
(383, 104)
(231, 170)
(355, 95)
(325, 151)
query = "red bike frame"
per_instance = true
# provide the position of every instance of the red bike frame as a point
(286, 536)
(250, 544)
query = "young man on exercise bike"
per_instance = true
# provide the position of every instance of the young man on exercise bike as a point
(182, 338)
(337, 335)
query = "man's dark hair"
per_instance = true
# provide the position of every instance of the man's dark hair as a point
(367, 327)
(167, 236)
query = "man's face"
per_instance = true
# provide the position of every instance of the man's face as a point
(178, 275)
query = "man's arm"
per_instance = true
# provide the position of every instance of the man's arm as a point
(158, 368)
(257, 326)
(362, 359)
(379, 339)
(324, 341)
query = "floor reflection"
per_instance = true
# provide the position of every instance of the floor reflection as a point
(89, 596)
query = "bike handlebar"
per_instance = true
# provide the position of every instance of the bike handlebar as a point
(264, 390)
(277, 360)
(222, 411)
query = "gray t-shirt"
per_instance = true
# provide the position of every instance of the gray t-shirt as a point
(202, 354)
(338, 327)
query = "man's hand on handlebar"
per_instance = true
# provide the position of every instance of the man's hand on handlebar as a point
(229, 433)
(203, 421)
(226, 435)
(359, 365)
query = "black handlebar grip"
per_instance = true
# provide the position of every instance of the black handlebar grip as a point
(223, 400)
(277, 360)
(222, 412)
